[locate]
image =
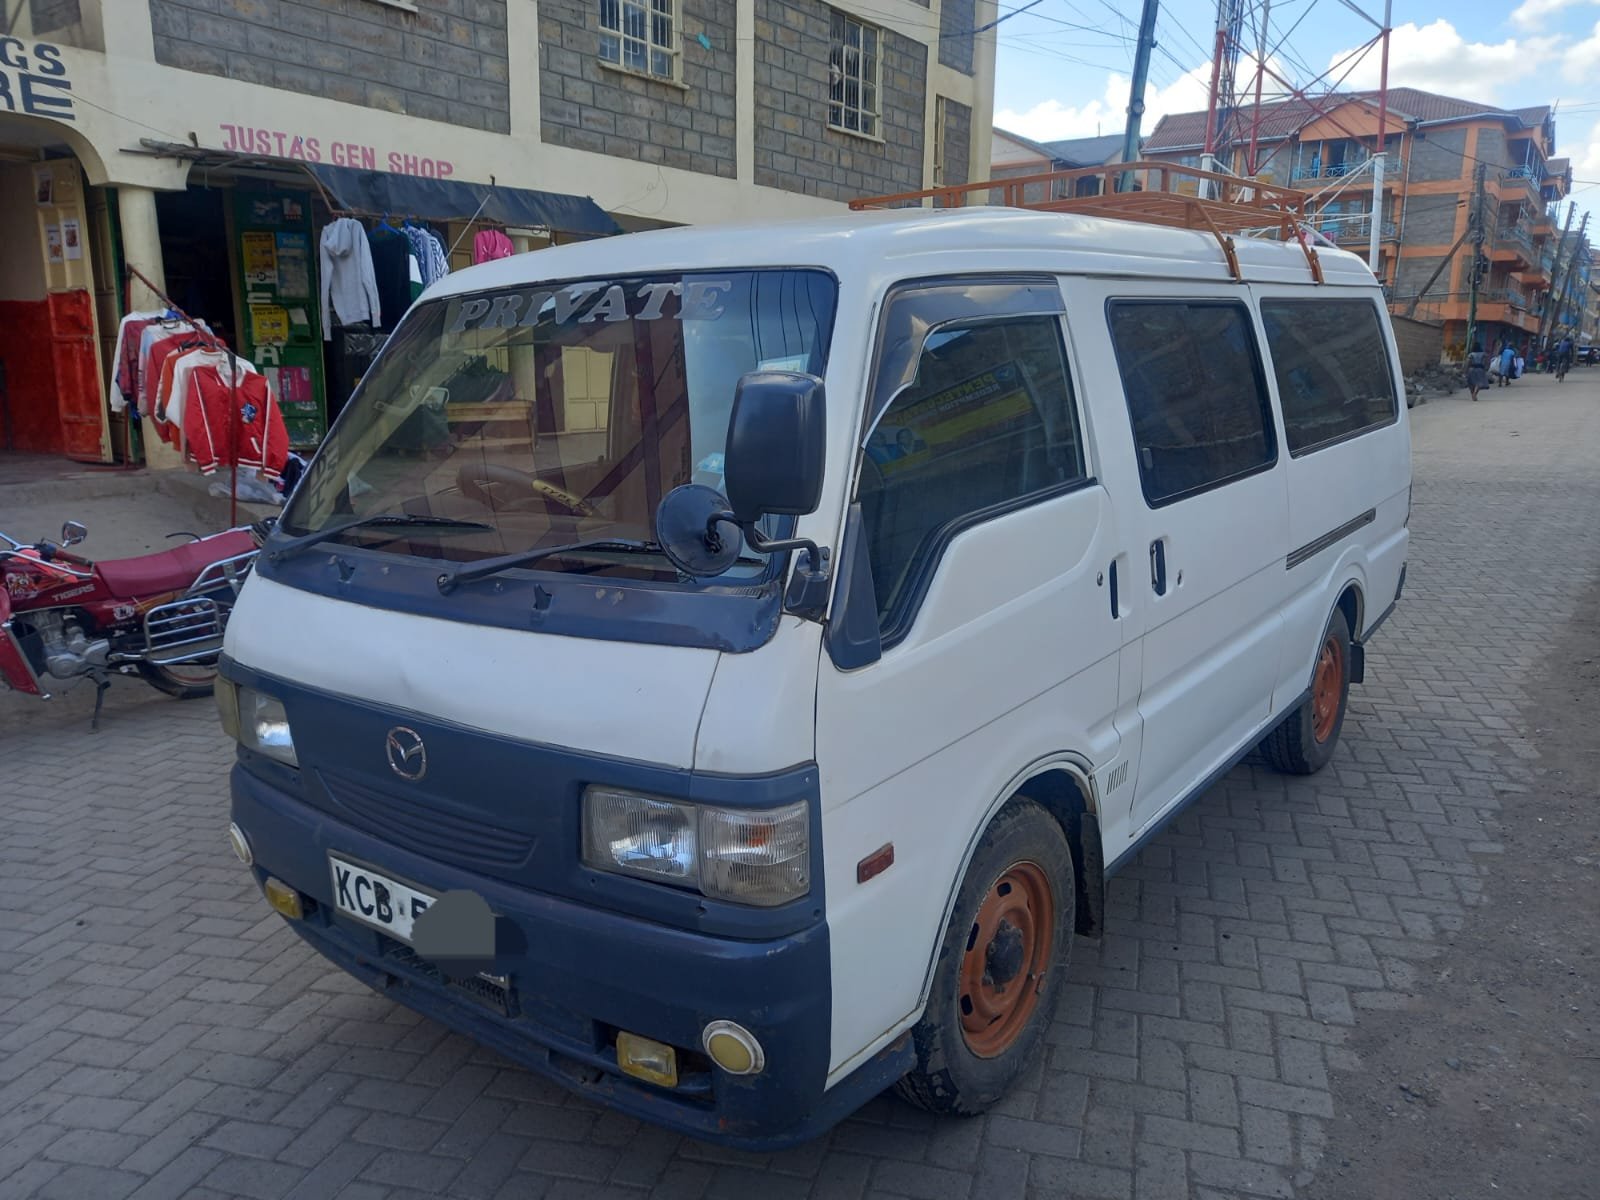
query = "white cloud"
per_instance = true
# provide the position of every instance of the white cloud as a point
(1051, 120)
(1577, 61)
(1436, 58)
(1530, 12)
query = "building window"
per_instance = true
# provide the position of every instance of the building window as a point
(853, 74)
(640, 35)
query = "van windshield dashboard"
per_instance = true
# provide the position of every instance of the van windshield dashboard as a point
(552, 414)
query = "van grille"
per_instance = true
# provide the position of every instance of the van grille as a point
(491, 995)
(425, 828)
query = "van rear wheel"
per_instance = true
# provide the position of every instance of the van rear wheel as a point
(1004, 950)
(1305, 741)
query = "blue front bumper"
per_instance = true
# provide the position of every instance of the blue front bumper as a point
(585, 974)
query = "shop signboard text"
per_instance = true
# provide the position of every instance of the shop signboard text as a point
(33, 80)
(280, 143)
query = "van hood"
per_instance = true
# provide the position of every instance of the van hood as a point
(626, 700)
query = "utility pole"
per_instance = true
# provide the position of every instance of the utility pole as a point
(1475, 225)
(1555, 266)
(1141, 73)
(1444, 264)
(1377, 158)
(1560, 293)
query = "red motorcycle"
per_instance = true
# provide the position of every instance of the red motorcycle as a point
(160, 616)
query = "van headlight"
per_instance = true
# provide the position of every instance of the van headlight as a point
(752, 856)
(260, 723)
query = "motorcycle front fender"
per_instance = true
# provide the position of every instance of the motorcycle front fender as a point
(15, 672)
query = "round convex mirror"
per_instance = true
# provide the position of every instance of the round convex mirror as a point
(688, 539)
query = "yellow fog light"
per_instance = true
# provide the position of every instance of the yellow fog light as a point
(283, 898)
(226, 694)
(733, 1048)
(646, 1059)
(240, 844)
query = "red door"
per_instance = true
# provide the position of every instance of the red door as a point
(80, 400)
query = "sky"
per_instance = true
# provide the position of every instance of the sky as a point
(1063, 66)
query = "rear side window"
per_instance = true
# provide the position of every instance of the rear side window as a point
(987, 424)
(1332, 367)
(1196, 395)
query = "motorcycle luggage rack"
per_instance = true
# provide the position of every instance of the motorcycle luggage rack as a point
(183, 631)
(225, 572)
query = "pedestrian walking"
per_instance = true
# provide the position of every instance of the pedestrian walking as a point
(1477, 369)
(1508, 363)
(1563, 358)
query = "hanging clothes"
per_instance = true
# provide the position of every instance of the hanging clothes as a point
(125, 358)
(177, 383)
(431, 257)
(394, 265)
(260, 436)
(158, 340)
(349, 291)
(490, 244)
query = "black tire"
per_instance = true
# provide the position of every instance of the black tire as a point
(1294, 747)
(950, 1077)
(180, 686)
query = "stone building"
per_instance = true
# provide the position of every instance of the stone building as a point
(147, 129)
(1432, 145)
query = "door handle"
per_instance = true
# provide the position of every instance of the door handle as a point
(1116, 611)
(1158, 566)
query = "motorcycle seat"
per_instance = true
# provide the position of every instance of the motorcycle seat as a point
(171, 570)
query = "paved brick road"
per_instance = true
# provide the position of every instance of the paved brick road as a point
(162, 1035)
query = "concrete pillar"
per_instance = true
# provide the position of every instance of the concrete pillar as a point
(141, 248)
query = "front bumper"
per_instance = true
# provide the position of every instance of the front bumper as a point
(586, 973)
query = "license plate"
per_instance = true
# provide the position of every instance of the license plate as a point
(375, 899)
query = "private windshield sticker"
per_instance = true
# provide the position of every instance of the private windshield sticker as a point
(587, 303)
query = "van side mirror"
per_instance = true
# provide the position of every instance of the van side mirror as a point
(776, 445)
(73, 532)
(773, 465)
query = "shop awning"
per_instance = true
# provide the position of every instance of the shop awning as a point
(382, 192)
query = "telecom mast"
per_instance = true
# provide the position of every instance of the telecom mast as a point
(1254, 72)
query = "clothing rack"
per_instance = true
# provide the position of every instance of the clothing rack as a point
(213, 343)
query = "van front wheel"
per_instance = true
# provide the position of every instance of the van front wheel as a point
(1304, 743)
(1004, 951)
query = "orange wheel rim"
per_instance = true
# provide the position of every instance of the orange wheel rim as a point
(1325, 689)
(1008, 952)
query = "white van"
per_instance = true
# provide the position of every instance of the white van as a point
(719, 667)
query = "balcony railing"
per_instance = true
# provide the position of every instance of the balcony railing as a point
(1327, 170)
(1516, 237)
(1360, 231)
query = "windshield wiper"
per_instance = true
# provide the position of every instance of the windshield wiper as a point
(450, 580)
(294, 545)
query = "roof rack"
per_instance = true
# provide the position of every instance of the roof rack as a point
(1157, 193)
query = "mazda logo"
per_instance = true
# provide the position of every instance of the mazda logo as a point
(408, 758)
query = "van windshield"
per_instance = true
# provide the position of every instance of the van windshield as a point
(550, 414)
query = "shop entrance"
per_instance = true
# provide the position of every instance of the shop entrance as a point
(52, 399)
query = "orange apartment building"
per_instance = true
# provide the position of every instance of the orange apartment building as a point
(1432, 145)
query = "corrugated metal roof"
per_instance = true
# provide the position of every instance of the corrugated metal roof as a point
(1185, 131)
(1087, 151)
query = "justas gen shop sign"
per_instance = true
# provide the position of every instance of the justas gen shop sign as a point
(33, 80)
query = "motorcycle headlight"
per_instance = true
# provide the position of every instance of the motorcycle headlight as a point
(264, 726)
(752, 856)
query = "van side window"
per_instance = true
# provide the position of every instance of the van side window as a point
(1196, 394)
(987, 425)
(1332, 367)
